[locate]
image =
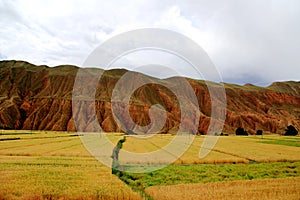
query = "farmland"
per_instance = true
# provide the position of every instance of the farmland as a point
(44, 165)
(35, 177)
(267, 189)
(53, 166)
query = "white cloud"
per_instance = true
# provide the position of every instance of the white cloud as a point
(249, 41)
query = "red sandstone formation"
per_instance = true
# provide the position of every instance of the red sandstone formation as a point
(40, 98)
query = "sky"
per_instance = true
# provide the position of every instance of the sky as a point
(253, 42)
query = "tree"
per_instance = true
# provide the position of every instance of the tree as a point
(259, 132)
(290, 131)
(241, 131)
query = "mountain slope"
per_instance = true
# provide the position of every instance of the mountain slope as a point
(40, 98)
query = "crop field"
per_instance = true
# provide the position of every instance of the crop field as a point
(35, 177)
(265, 189)
(56, 165)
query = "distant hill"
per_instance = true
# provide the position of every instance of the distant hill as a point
(40, 98)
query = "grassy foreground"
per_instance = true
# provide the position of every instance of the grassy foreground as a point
(29, 177)
(55, 165)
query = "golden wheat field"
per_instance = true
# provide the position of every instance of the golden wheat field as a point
(231, 149)
(43, 165)
(266, 189)
(56, 165)
(41, 177)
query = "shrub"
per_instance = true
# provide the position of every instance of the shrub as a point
(291, 131)
(221, 134)
(259, 132)
(241, 131)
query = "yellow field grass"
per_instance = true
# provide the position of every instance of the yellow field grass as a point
(44, 165)
(251, 148)
(231, 149)
(265, 189)
(27, 177)
(54, 165)
(44, 145)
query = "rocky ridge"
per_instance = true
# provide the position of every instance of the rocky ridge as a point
(40, 98)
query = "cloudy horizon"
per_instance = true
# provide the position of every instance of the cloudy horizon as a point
(253, 42)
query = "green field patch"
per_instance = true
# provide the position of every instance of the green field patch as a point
(285, 141)
(204, 173)
(279, 140)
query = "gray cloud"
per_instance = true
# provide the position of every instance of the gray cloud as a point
(249, 41)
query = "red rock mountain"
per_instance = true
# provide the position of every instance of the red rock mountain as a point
(40, 98)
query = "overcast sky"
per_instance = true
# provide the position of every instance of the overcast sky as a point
(254, 41)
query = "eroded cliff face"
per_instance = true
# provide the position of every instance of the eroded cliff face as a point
(40, 98)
